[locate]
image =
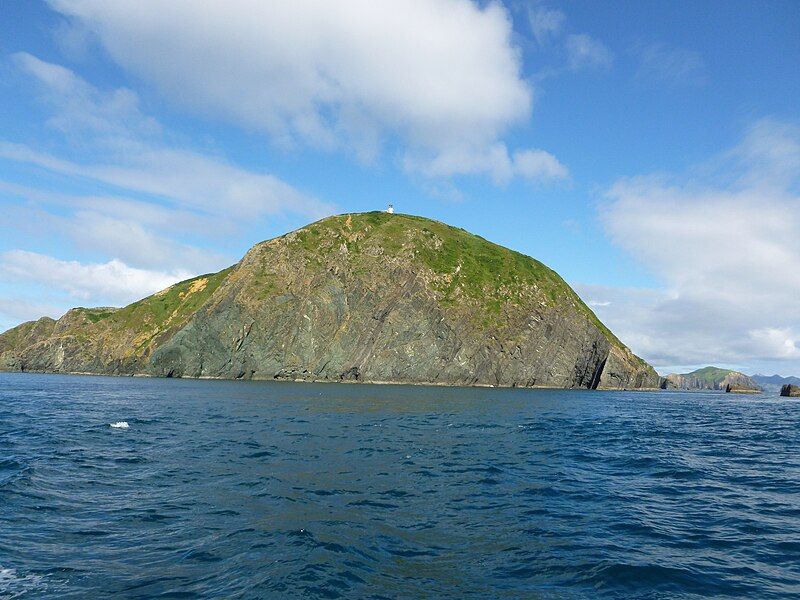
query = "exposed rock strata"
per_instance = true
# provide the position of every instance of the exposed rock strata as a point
(365, 297)
(735, 389)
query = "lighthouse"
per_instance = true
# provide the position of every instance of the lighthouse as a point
(390, 210)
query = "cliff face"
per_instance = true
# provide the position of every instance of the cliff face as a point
(361, 297)
(790, 390)
(709, 378)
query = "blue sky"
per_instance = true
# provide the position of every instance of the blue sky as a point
(647, 151)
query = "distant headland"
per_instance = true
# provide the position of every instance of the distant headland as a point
(710, 378)
(716, 378)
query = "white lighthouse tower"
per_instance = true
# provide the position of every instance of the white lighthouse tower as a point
(390, 210)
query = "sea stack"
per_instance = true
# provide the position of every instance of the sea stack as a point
(790, 391)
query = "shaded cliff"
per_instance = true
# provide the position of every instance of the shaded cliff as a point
(359, 297)
(790, 390)
(709, 378)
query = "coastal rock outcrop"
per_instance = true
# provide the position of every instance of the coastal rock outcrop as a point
(790, 391)
(737, 389)
(368, 297)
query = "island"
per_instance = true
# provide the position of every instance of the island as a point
(361, 297)
(711, 378)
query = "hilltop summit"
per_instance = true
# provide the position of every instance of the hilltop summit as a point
(370, 297)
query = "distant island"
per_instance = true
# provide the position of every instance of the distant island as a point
(367, 297)
(711, 378)
(715, 378)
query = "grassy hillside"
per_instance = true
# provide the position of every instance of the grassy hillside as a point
(712, 378)
(386, 297)
(710, 375)
(471, 266)
(26, 333)
(123, 332)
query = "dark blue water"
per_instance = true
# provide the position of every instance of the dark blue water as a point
(259, 490)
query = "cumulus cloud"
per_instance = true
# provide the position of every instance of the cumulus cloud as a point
(495, 161)
(113, 280)
(538, 164)
(724, 240)
(441, 77)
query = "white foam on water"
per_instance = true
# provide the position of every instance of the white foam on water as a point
(13, 585)
(119, 425)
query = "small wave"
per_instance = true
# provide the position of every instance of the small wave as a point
(14, 585)
(119, 425)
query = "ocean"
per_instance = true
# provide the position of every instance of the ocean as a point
(164, 488)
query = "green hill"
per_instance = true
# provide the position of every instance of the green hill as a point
(363, 297)
(709, 378)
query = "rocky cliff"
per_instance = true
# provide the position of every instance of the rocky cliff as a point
(367, 297)
(790, 390)
(709, 378)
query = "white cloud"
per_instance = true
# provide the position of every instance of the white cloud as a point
(137, 159)
(166, 197)
(142, 234)
(442, 77)
(538, 164)
(191, 180)
(583, 51)
(81, 108)
(15, 310)
(779, 343)
(546, 23)
(95, 232)
(113, 281)
(675, 66)
(495, 161)
(724, 239)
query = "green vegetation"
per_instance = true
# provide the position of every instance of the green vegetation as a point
(14, 337)
(448, 291)
(96, 314)
(710, 375)
(476, 265)
(171, 307)
(469, 265)
(134, 325)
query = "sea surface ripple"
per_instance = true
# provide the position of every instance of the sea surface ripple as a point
(261, 490)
